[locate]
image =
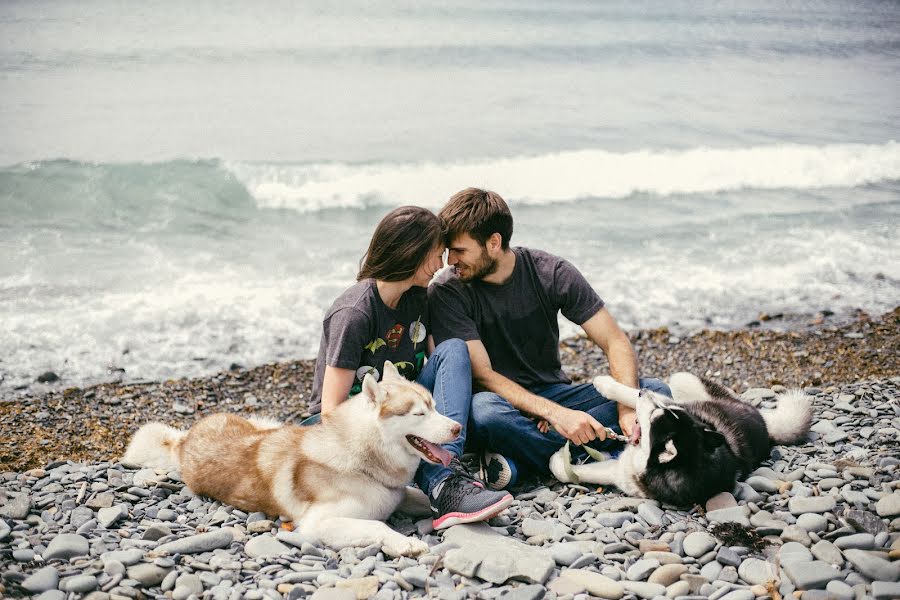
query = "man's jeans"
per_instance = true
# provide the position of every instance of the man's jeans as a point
(497, 426)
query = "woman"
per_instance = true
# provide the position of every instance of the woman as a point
(384, 316)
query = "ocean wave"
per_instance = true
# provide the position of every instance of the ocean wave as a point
(417, 54)
(569, 176)
(193, 191)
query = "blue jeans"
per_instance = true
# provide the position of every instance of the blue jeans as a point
(498, 426)
(448, 376)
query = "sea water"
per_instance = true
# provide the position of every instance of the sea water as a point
(186, 186)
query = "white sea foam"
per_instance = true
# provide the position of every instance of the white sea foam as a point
(567, 176)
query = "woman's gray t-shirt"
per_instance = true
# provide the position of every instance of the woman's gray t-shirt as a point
(360, 332)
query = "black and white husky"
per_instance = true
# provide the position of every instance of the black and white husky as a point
(685, 449)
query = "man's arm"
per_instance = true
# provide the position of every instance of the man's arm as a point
(603, 330)
(574, 425)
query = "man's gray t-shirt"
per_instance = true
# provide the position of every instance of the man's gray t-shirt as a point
(360, 332)
(516, 320)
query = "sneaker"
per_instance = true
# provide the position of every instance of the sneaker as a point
(462, 499)
(497, 471)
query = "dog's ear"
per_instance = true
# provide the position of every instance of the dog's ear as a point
(390, 371)
(371, 389)
(712, 439)
(669, 452)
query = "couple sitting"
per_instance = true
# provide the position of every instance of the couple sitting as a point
(493, 321)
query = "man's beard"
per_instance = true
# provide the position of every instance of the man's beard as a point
(484, 267)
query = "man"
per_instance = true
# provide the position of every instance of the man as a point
(503, 302)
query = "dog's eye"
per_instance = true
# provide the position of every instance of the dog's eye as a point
(419, 414)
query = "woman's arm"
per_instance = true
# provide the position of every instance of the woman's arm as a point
(336, 386)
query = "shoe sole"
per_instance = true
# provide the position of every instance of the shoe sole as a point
(506, 479)
(458, 518)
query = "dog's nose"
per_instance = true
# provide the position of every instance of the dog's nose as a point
(456, 429)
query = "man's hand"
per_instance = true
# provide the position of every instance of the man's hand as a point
(577, 426)
(627, 419)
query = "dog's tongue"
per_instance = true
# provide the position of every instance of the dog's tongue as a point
(429, 450)
(440, 453)
(636, 434)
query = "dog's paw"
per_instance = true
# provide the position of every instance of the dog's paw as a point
(557, 466)
(606, 385)
(404, 546)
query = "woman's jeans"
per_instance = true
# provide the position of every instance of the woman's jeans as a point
(498, 426)
(448, 376)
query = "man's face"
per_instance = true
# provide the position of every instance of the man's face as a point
(470, 258)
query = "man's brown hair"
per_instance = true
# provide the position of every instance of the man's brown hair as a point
(401, 241)
(480, 213)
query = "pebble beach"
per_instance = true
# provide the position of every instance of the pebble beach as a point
(815, 521)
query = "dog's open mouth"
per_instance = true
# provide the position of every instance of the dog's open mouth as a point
(432, 452)
(635, 434)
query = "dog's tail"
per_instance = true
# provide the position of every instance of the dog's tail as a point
(155, 445)
(789, 422)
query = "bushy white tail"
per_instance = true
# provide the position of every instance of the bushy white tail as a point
(687, 387)
(789, 422)
(154, 445)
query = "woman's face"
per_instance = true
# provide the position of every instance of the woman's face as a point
(434, 260)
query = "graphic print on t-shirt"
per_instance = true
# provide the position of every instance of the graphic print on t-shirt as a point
(365, 370)
(411, 369)
(417, 331)
(394, 336)
(374, 345)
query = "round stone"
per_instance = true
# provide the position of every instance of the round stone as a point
(738, 595)
(811, 504)
(651, 513)
(147, 574)
(860, 541)
(265, 545)
(698, 543)
(812, 522)
(763, 484)
(889, 506)
(667, 574)
(201, 542)
(23, 554)
(594, 583)
(756, 572)
(67, 545)
(42, 580)
(79, 584)
(567, 553)
(643, 589)
(641, 569)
